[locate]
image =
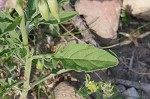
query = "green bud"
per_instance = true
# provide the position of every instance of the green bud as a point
(53, 5)
(39, 65)
(44, 9)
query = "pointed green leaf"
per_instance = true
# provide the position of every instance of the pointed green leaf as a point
(64, 16)
(39, 65)
(13, 25)
(23, 52)
(7, 87)
(2, 82)
(5, 17)
(83, 57)
(5, 20)
(31, 9)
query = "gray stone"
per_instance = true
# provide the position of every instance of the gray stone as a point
(121, 88)
(138, 8)
(131, 93)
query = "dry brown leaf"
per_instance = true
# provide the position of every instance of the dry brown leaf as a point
(101, 15)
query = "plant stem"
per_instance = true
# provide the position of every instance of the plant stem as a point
(28, 61)
(48, 76)
(44, 56)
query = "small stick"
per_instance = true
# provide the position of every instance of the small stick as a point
(131, 59)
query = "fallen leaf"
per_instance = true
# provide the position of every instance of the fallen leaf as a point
(101, 15)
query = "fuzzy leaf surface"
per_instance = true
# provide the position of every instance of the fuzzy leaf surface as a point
(83, 57)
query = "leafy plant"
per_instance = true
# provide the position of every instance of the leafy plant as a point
(16, 54)
(103, 90)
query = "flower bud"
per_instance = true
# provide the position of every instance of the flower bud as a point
(44, 9)
(53, 5)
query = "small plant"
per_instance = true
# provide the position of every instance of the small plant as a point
(103, 90)
(17, 57)
(107, 89)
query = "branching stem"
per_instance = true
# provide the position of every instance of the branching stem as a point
(28, 61)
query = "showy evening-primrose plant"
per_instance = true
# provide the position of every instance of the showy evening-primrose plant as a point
(17, 20)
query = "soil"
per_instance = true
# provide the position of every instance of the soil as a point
(134, 64)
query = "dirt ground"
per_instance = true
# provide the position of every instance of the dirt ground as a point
(133, 65)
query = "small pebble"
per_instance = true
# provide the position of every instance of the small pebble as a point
(121, 88)
(131, 93)
(138, 8)
(65, 91)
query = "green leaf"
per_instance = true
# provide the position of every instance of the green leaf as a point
(31, 9)
(14, 38)
(7, 87)
(39, 65)
(10, 64)
(2, 53)
(12, 26)
(11, 68)
(5, 20)
(62, 1)
(2, 82)
(5, 17)
(64, 16)
(84, 92)
(48, 64)
(83, 57)
(3, 26)
(23, 52)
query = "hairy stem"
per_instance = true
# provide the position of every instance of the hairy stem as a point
(28, 61)
(48, 76)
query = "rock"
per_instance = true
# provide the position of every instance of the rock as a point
(101, 15)
(131, 93)
(121, 88)
(138, 8)
(65, 91)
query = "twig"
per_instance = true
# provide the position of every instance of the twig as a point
(130, 38)
(98, 76)
(65, 41)
(131, 59)
(125, 42)
(144, 34)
